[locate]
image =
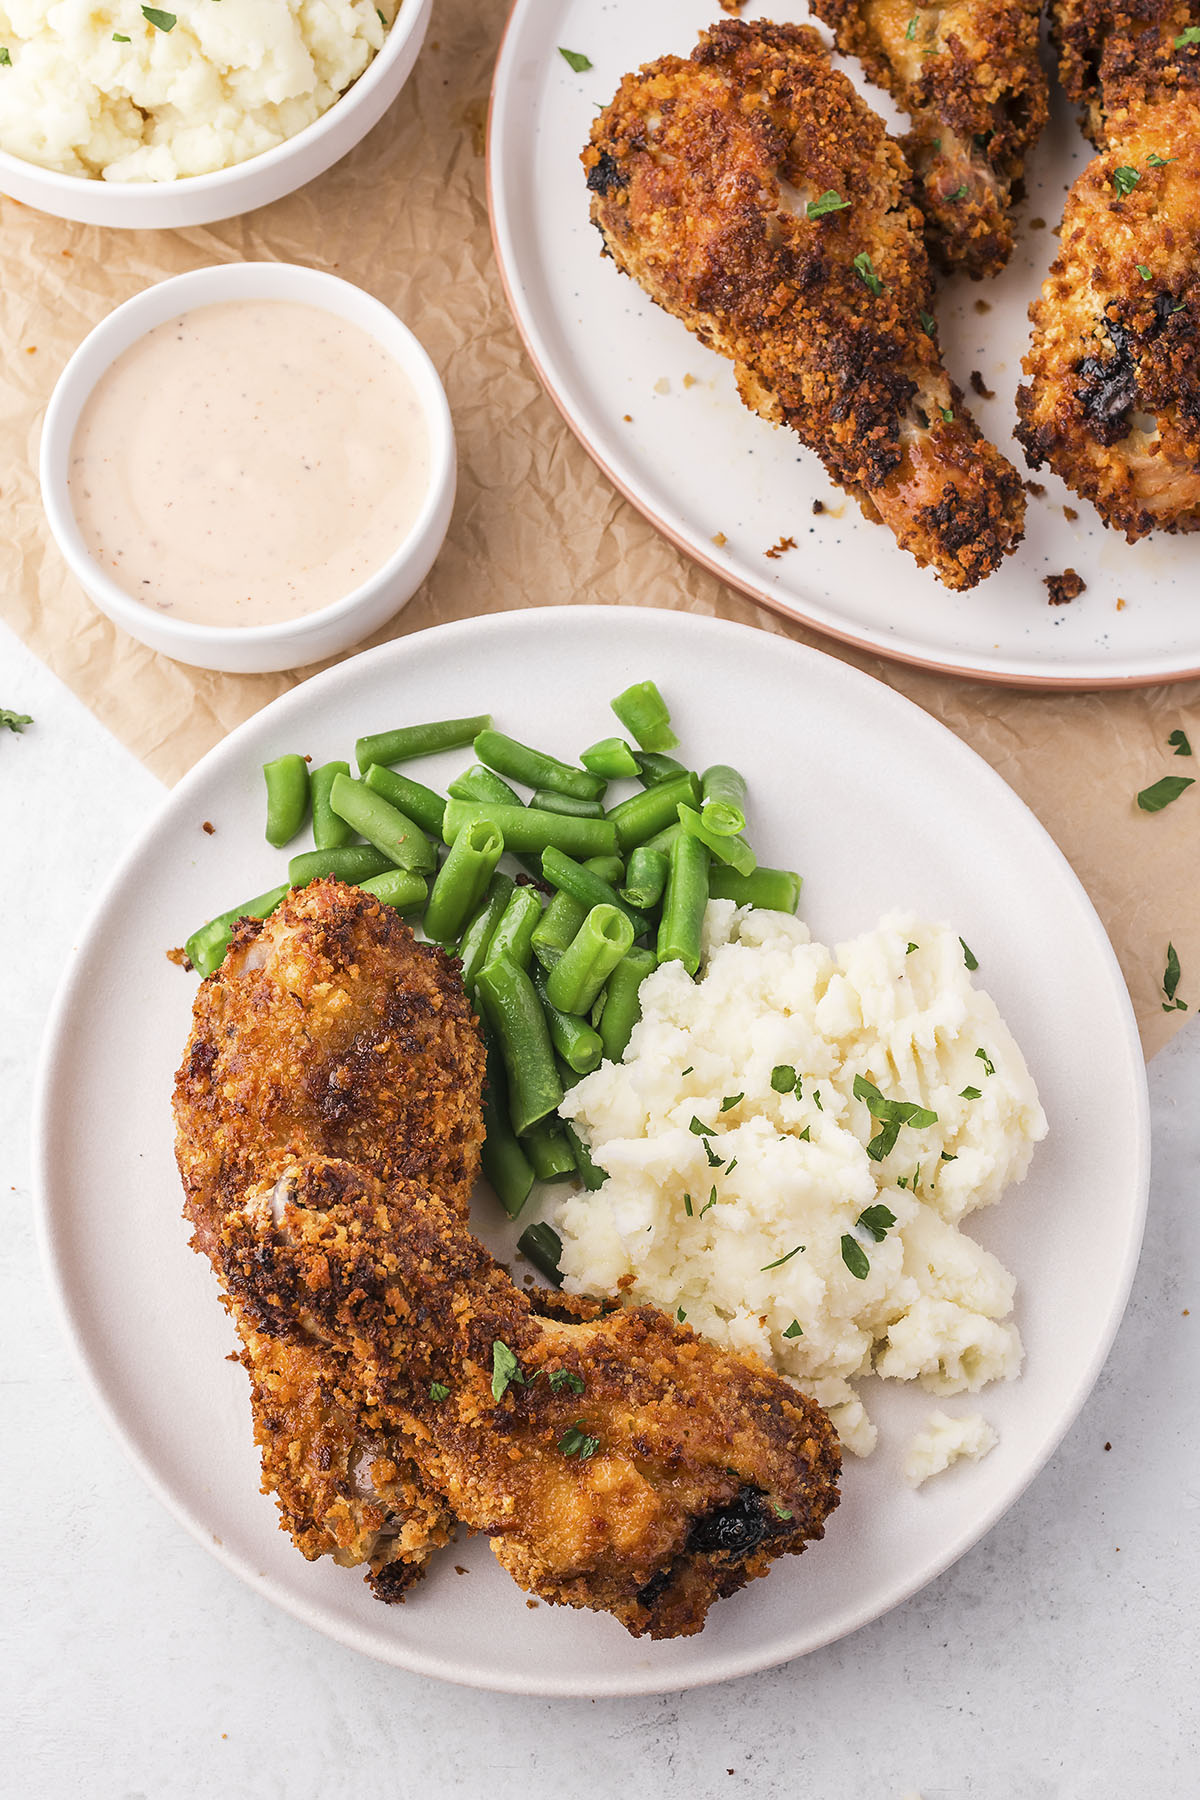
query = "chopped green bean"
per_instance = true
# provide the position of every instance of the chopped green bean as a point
(410, 797)
(643, 712)
(478, 783)
(399, 888)
(525, 829)
(612, 758)
(646, 877)
(732, 850)
(515, 1015)
(662, 840)
(549, 801)
(622, 1009)
(590, 1173)
(653, 768)
(206, 947)
(541, 1245)
(535, 768)
(582, 970)
(679, 936)
(411, 741)
(462, 881)
(355, 863)
(576, 1042)
(556, 929)
(640, 817)
(723, 793)
(589, 888)
(287, 798)
(401, 840)
(477, 938)
(608, 868)
(514, 933)
(329, 832)
(776, 889)
(546, 1146)
(504, 1162)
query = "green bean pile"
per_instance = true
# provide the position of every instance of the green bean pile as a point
(555, 984)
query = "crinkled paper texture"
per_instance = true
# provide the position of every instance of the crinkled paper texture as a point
(536, 524)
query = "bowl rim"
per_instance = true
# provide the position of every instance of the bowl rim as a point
(127, 195)
(125, 326)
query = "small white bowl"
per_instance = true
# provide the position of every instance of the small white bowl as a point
(292, 643)
(200, 199)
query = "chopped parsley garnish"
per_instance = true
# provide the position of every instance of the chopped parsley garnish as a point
(960, 192)
(970, 1094)
(817, 1100)
(161, 21)
(855, 1257)
(780, 1260)
(382, 20)
(989, 1067)
(575, 59)
(783, 1078)
(830, 201)
(1125, 179)
(714, 1161)
(928, 323)
(866, 270)
(119, 37)
(14, 720)
(910, 30)
(794, 1330)
(892, 1114)
(565, 1378)
(947, 413)
(805, 1136)
(680, 1314)
(1144, 270)
(969, 956)
(710, 1202)
(5, 58)
(688, 1071)
(911, 948)
(781, 1512)
(700, 1128)
(1170, 982)
(1178, 741)
(730, 1101)
(947, 1157)
(505, 1369)
(878, 1220)
(730, 1167)
(438, 1391)
(687, 1205)
(1155, 161)
(575, 1442)
(1190, 36)
(1161, 793)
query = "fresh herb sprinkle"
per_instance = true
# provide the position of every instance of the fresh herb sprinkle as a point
(15, 721)
(794, 1330)
(928, 322)
(1161, 793)
(960, 192)
(989, 1067)
(5, 58)
(971, 1094)
(505, 1369)
(781, 1512)
(1178, 741)
(830, 201)
(575, 59)
(855, 1257)
(969, 956)
(910, 30)
(119, 37)
(1144, 270)
(575, 1442)
(878, 1220)
(1125, 179)
(700, 1128)
(161, 21)
(911, 948)
(565, 1378)
(780, 1260)
(1170, 982)
(730, 1101)
(866, 270)
(1188, 37)
(438, 1391)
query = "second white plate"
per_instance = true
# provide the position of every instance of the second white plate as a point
(880, 808)
(660, 414)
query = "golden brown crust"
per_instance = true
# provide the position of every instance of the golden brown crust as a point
(633, 1468)
(1113, 399)
(329, 1029)
(701, 171)
(968, 74)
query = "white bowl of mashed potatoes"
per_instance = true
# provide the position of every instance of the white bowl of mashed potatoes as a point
(148, 117)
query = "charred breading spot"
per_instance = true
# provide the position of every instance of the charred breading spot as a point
(723, 155)
(604, 174)
(1062, 589)
(971, 79)
(1118, 60)
(661, 1475)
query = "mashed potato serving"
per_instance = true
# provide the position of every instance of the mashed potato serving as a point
(132, 93)
(791, 1143)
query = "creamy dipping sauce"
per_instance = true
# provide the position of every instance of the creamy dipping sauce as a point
(249, 462)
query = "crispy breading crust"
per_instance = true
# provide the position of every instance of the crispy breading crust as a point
(705, 1465)
(329, 1029)
(700, 171)
(1113, 400)
(968, 73)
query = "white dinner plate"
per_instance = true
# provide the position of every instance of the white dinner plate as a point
(660, 414)
(879, 807)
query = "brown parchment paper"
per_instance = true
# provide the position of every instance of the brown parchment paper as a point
(536, 524)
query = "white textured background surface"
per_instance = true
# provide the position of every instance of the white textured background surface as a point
(1059, 1660)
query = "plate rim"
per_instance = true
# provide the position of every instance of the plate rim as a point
(1026, 680)
(631, 1681)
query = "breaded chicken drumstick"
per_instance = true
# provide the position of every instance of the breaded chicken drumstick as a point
(967, 72)
(1113, 397)
(755, 196)
(329, 1030)
(620, 1464)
